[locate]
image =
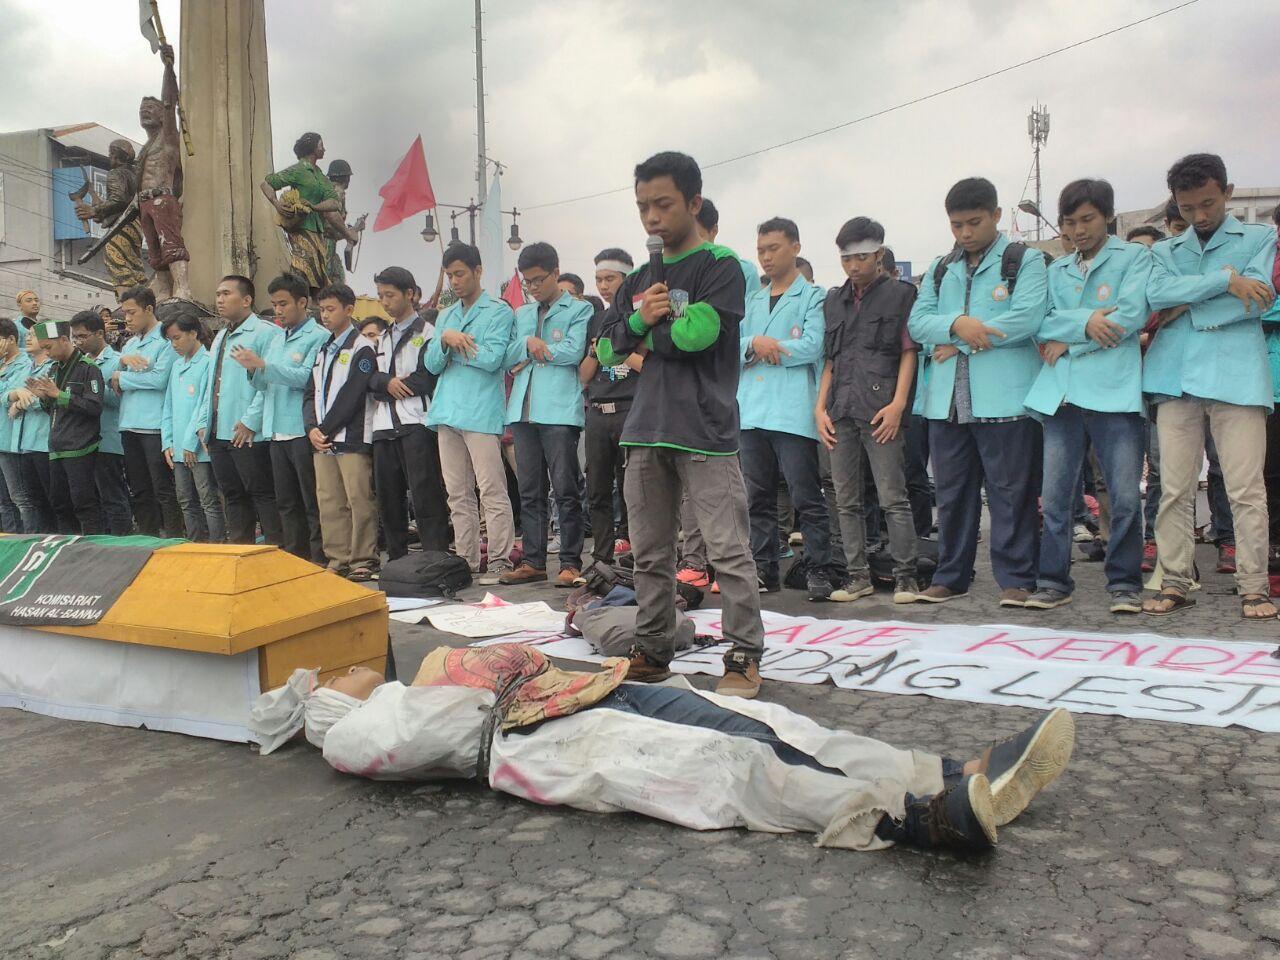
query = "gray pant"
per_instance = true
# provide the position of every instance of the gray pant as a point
(718, 499)
(197, 492)
(854, 441)
(694, 552)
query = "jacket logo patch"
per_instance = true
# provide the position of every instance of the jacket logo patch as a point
(297, 358)
(795, 333)
(93, 385)
(344, 357)
(557, 335)
(1001, 292)
(191, 390)
(636, 301)
(366, 365)
(1104, 291)
(417, 341)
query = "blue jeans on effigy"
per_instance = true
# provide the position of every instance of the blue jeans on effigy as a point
(1119, 439)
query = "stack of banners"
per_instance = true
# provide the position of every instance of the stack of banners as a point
(66, 580)
(1214, 683)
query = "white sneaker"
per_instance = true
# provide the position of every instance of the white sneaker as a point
(1081, 534)
(494, 574)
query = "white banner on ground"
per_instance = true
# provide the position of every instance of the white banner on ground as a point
(493, 617)
(1206, 682)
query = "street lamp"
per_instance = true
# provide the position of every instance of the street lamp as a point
(1029, 206)
(429, 232)
(514, 241)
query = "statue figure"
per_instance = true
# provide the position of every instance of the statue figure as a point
(123, 250)
(160, 188)
(308, 196)
(336, 227)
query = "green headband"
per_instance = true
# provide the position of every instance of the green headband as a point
(51, 329)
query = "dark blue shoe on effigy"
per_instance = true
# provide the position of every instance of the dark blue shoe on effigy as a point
(1022, 766)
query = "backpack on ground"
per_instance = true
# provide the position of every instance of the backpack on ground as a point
(881, 564)
(430, 573)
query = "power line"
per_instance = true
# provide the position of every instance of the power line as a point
(897, 106)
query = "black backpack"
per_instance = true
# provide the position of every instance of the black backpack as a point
(881, 563)
(1010, 261)
(426, 574)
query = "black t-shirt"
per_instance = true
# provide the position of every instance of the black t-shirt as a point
(610, 384)
(686, 398)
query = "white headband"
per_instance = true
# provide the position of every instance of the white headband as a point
(617, 266)
(861, 246)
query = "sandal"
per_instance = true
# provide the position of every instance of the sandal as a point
(360, 575)
(1179, 601)
(1252, 601)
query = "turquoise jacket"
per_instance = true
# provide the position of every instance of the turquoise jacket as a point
(142, 393)
(1088, 376)
(782, 397)
(554, 390)
(1215, 350)
(470, 391)
(751, 275)
(12, 376)
(108, 362)
(999, 378)
(285, 376)
(181, 402)
(32, 425)
(238, 401)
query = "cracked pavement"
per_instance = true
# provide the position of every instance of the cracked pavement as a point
(1160, 841)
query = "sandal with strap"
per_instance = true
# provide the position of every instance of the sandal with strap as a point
(1180, 601)
(1252, 601)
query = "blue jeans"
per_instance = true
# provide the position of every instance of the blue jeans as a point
(201, 506)
(1152, 505)
(765, 454)
(1119, 439)
(1220, 519)
(10, 518)
(543, 449)
(1005, 454)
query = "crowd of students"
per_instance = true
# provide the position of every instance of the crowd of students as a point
(694, 399)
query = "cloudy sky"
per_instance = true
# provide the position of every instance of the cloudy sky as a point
(579, 90)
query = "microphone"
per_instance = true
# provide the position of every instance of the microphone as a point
(657, 269)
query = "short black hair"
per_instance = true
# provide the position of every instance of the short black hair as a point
(972, 193)
(91, 320)
(1146, 230)
(595, 301)
(617, 253)
(540, 254)
(1195, 170)
(708, 216)
(464, 253)
(142, 295)
(340, 292)
(859, 229)
(306, 145)
(1172, 213)
(801, 263)
(575, 281)
(382, 324)
(780, 225)
(246, 285)
(397, 277)
(186, 321)
(888, 260)
(1275, 215)
(8, 328)
(1079, 192)
(680, 167)
(290, 283)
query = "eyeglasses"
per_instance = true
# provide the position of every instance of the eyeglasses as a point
(536, 281)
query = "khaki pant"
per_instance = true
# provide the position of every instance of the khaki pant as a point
(348, 510)
(1240, 434)
(469, 460)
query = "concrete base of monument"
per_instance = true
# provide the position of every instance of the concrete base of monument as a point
(202, 630)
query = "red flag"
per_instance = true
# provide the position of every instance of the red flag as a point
(514, 293)
(408, 191)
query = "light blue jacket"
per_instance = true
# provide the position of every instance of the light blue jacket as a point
(285, 376)
(554, 390)
(999, 378)
(187, 383)
(782, 397)
(12, 377)
(108, 362)
(142, 392)
(470, 392)
(238, 401)
(1215, 350)
(751, 275)
(32, 425)
(1088, 376)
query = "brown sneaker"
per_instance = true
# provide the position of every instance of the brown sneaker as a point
(568, 578)
(741, 677)
(525, 573)
(1014, 597)
(642, 668)
(939, 594)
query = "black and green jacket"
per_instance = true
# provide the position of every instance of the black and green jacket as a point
(76, 413)
(687, 397)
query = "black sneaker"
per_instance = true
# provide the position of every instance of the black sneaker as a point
(818, 586)
(1022, 766)
(962, 817)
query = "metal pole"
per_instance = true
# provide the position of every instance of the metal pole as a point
(471, 217)
(1038, 201)
(481, 178)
